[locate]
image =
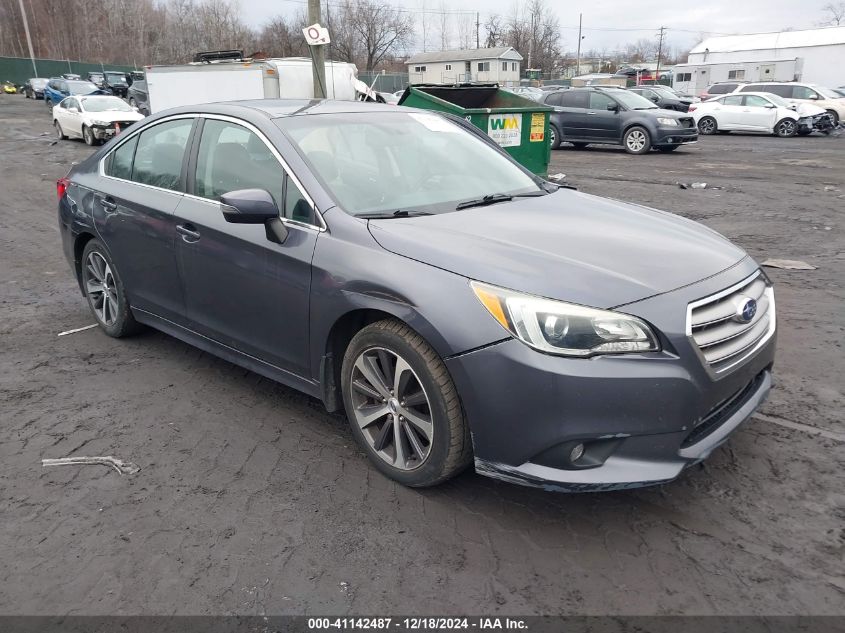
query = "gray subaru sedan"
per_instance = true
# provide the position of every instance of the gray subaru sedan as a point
(398, 264)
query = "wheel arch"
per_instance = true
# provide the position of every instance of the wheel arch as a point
(79, 243)
(340, 335)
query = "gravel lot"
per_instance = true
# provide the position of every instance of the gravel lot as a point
(251, 499)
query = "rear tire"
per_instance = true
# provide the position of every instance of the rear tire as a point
(707, 125)
(104, 290)
(637, 140)
(554, 137)
(433, 437)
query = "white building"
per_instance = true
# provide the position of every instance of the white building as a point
(501, 65)
(813, 56)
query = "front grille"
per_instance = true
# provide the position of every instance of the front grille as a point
(721, 412)
(720, 334)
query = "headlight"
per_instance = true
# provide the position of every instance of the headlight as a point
(669, 122)
(565, 328)
(103, 123)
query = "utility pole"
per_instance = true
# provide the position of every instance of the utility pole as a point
(318, 56)
(28, 38)
(578, 58)
(661, 35)
(477, 29)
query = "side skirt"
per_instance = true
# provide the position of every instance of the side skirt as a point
(310, 387)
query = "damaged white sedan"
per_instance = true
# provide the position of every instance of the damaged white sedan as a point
(93, 118)
(759, 112)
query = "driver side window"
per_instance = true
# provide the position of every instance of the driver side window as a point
(802, 92)
(756, 101)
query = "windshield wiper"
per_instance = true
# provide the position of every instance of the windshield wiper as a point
(493, 198)
(399, 213)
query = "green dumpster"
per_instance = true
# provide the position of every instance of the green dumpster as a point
(519, 125)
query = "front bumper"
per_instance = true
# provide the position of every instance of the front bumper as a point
(675, 135)
(642, 418)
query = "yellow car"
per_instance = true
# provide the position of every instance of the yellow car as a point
(9, 88)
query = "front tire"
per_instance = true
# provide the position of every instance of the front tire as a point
(707, 125)
(59, 133)
(637, 140)
(835, 116)
(403, 407)
(88, 136)
(786, 128)
(105, 293)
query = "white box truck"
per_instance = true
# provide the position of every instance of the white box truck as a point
(230, 80)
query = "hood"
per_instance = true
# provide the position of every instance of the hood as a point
(114, 115)
(663, 112)
(566, 245)
(804, 108)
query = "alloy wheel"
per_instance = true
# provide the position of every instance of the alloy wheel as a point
(391, 408)
(786, 128)
(707, 126)
(636, 141)
(100, 285)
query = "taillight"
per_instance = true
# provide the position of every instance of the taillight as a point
(61, 186)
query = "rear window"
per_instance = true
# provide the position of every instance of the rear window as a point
(722, 89)
(781, 90)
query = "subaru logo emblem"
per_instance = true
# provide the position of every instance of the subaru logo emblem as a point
(746, 308)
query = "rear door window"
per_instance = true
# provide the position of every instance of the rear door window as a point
(120, 163)
(160, 153)
(575, 99)
(555, 99)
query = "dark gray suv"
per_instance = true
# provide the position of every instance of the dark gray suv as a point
(398, 264)
(616, 116)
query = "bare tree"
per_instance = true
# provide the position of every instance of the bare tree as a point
(494, 30)
(382, 30)
(834, 14)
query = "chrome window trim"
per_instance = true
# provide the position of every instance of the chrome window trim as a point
(222, 117)
(770, 295)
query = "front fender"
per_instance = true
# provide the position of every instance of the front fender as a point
(352, 272)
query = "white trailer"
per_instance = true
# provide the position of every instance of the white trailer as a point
(286, 78)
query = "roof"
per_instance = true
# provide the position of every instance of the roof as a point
(464, 55)
(765, 41)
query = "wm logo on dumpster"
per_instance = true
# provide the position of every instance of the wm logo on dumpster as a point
(505, 129)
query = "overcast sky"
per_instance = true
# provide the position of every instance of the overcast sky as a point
(686, 19)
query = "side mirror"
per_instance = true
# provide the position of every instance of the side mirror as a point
(613, 107)
(135, 108)
(254, 206)
(769, 105)
(73, 109)
(655, 99)
(814, 97)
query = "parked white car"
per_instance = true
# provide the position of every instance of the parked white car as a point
(800, 93)
(93, 118)
(750, 112)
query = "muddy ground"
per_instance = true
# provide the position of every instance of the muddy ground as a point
(251, 499)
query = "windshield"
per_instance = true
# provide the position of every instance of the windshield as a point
(105, 104)
(95, 76)
(665, 90)
(382, 162)
(116, 77)
(777, 100)
(80, 87)
(631, 100)
(827, 93)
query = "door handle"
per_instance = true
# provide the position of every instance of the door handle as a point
(108, 204)
(591, 113)
(188, 233)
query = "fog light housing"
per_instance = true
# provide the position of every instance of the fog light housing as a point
(576, 453)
